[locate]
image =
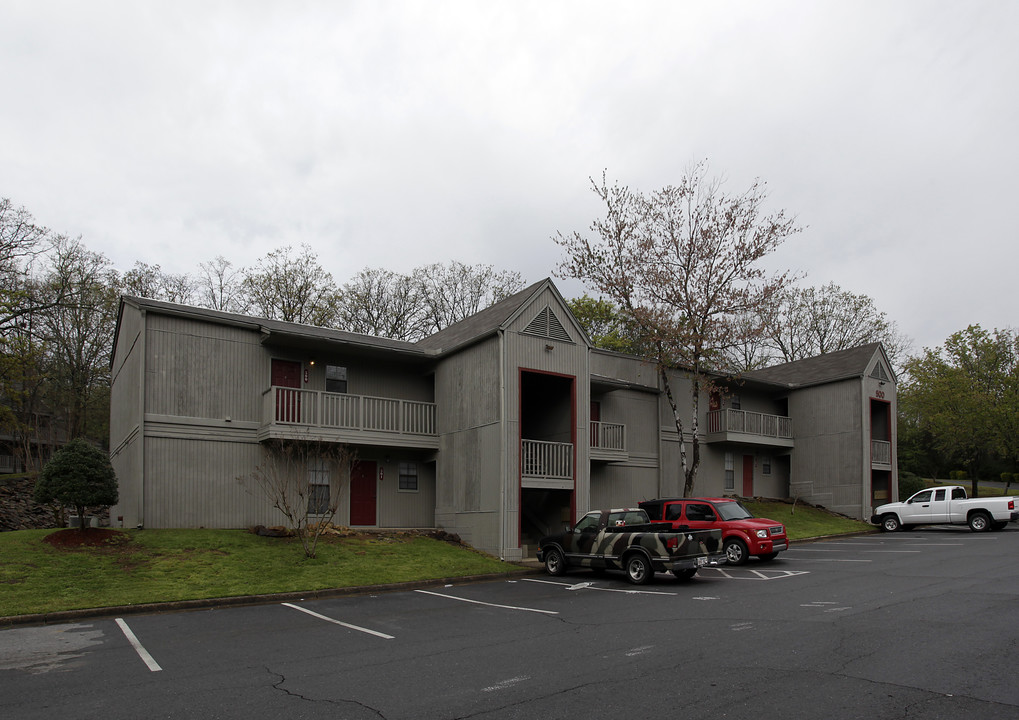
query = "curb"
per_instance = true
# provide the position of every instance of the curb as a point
(65, 616)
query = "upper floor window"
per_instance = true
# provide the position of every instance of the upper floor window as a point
(336, 379)
(734, 401)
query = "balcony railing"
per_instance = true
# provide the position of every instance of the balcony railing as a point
(317, 409)
(543, 459)
(750, 423)
(881, 452)
(608, 436)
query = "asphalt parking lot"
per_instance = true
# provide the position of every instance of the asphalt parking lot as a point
(914, 625)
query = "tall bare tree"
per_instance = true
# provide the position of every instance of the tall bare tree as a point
(152, 282)
(451, 293)
(293, 287)
(808, 321)
(79, 333)
(683, 264)
(221, 286)
(384, 304)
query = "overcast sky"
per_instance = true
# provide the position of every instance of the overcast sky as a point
(397, 134)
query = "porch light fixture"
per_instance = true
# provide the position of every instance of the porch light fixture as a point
(549, 348)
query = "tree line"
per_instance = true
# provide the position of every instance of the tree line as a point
(679, 280)
(59, 302)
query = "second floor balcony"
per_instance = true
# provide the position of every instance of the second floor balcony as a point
(729, 425)
(295, 414)
(608, 441)
(881, 454)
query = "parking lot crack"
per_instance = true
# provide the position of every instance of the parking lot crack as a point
(279, 685)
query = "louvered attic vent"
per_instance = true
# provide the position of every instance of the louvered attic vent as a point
(879, 372)
(547, 325)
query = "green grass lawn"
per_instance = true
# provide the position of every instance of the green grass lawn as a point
(804, 521)
(166, 565)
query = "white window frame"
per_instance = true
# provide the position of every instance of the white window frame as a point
(730, 472)
(411, 469)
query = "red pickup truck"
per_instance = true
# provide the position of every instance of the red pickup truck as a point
(743, 535)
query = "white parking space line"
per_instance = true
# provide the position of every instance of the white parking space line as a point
(751, 574)
(142, 652)
(817, 559)
(495, 605)
(891, 551)
(592, 586)
(337, 622)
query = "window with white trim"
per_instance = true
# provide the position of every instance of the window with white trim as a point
(408, 477)
(336, 379)
(318, 487)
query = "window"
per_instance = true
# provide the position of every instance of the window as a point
(730, 476)
(318, 487)
(589, 523)
(734, 402)
(939, 495)
(408, 477)
(766, 464)
(699, 512)
(336, 379)
(673, 511)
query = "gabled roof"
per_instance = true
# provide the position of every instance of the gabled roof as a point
(830, 367)
(489, 321)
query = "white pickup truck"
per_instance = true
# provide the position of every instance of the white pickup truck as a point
(946, 506)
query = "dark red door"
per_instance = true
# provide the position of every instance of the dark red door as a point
(287, 374)
(748, 476)
(363, 493)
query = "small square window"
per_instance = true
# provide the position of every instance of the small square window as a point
(408, 477)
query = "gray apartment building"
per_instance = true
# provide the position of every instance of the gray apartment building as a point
(500, 428)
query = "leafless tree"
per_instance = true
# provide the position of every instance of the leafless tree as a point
(382, 303)
(304, 480)
(150, 281)
(683, 264)
(451, 293)
(221, 286)
(292, 287)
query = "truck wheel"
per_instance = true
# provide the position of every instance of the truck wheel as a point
(890, 523)
(979, 522)
(735, 551)
(555, 563)
(685, 574)
(638, 569)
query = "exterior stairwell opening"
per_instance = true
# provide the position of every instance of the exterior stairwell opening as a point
(547, 455)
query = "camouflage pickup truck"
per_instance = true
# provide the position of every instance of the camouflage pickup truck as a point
(625, 539)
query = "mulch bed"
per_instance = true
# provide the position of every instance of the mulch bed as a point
(90, 537)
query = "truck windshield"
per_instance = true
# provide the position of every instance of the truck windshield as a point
(732, 511)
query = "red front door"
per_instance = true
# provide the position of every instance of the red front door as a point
(287, 374)
(363, 493)
(748, 476)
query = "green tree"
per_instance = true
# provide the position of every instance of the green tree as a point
(78, 475)
(683, 263)
(605, 324)
(964, 399)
